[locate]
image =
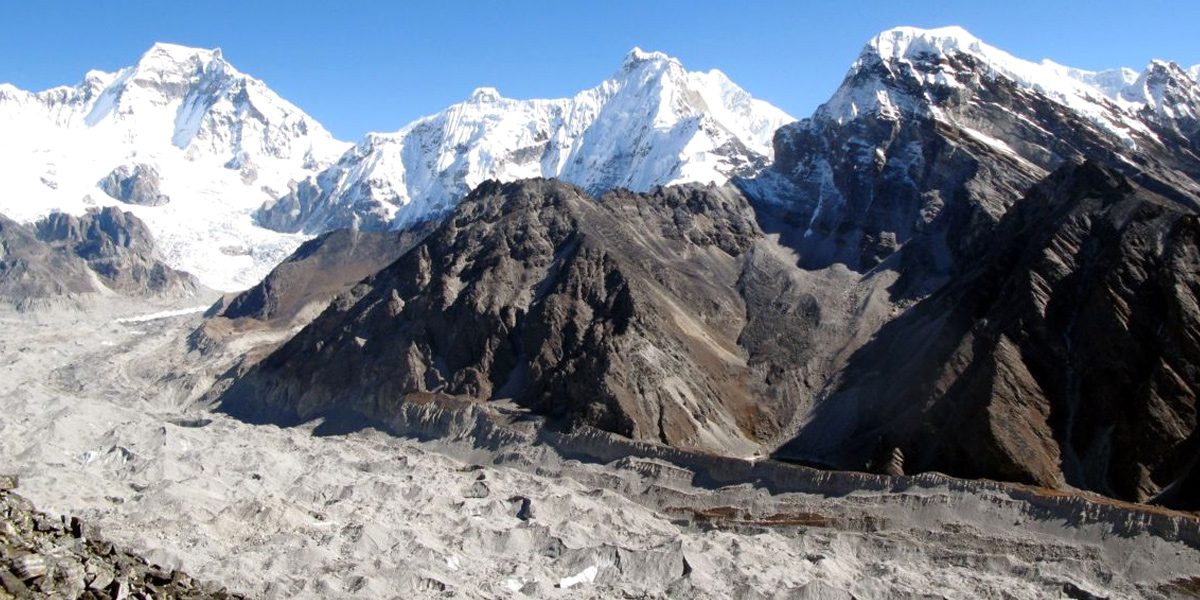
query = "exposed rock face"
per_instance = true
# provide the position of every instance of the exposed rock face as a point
(933, 136)
(626, 313)
(65, 256)
(670, 317)
(134, 184)
(1069, 353)
(47, 557)
(33, 269)
(302, 286)
(320, 269)
(118, 247)
(956, 264)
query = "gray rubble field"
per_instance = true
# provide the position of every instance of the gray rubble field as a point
(100, 421)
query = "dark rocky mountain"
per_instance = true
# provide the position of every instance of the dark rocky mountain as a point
(933, 136)
(118, 247)
(64, 256)
(1067, 354)
(32, 269)
(626, 313)
(1032, 351)
(953, 265)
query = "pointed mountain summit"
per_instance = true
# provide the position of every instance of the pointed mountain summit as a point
(933, 133)
(216, 142)
(651, 123)
(213, 110)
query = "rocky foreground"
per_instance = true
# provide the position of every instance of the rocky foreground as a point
(43, 556)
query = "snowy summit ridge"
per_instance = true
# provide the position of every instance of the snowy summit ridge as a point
(218, 143)
(950, 58)
(651, 123)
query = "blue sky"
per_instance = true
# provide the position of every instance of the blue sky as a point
(360, 66)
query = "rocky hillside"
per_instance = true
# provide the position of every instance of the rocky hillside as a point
(320, 269)
(31, 268)
(963, 262)
(42, 556)
(1066, 354)
(118, 247)
(303, 285)
(68, 257)
(626, 313)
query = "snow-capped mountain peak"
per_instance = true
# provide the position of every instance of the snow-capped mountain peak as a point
(217, 142)
(1166, 89)
(651, 123)
(178, 62)
(637, 57)
(1110, 82)
(911, 43)
(485, 94)
(936, 62)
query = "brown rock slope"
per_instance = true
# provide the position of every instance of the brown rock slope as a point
(320, 269)
(31, 268)
(1067, 354)
(118, 247)
(68, 257)
(627, 313)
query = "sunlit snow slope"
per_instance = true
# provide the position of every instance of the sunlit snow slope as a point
(219, 142)
(652, 123)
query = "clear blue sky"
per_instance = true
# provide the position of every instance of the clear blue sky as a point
(359, 66)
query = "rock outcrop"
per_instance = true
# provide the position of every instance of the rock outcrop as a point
(134, 184)
(626, 313)
(43, 556)
(66, 257)
(118, 247)
(31, 269)
(1068, 354)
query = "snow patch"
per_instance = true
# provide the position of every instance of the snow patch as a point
(167, 314)
(587, 575)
